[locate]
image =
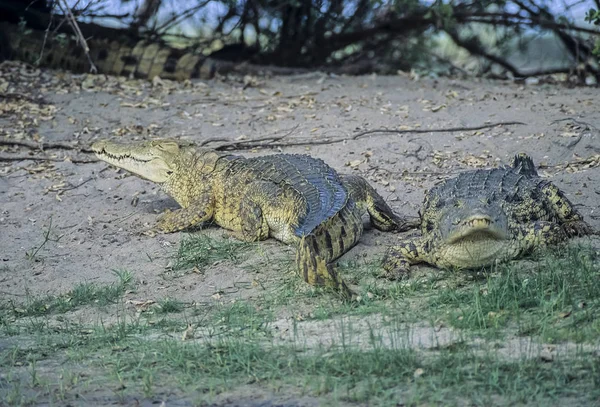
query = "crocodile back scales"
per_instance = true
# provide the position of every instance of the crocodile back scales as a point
(520, 195)
(315, 182)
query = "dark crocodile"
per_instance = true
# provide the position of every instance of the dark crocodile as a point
(484, 216)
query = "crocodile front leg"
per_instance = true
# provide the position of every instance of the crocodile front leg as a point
(398, 259)
(199, 210)
(538, 235)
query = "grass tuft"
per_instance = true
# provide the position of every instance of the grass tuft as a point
(201, 250)
(169, 305)
(82, 294)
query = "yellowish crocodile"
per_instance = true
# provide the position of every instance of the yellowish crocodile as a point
(296, 199)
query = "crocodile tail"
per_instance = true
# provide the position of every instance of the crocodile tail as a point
(316, 270)
(523, 164)
(381, 215)
(318, 250)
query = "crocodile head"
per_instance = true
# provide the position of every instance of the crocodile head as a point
(463, 221)
(156, 160)
(473, 233)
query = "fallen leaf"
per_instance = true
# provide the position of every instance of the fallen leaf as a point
(188, 333)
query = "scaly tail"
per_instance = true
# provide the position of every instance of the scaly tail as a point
(316, 270)
(318, 250)
(367, 198)
(141, 59)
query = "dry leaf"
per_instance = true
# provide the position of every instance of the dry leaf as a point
(188, 333)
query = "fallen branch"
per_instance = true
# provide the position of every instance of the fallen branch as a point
(43, 158)
(447, 130)
(44, 145)
(250, 144)
(268, 141)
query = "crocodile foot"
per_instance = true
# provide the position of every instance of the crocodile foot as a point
(395, 266)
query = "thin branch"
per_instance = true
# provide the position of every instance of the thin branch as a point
(73, 23)
(474, 47)
(44, 145)
(43, 158)
(46, 32)
(446, 130)
(511, 19)
(250, 144)
(177, 18)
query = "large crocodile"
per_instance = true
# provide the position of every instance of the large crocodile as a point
(296, 199)
(484, 216)
(139, 59)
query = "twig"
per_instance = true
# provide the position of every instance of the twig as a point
(73, 23)
(42, 158)
(567, 164)
(76, 186)
(587, 125)
(46, 32)
(447, 130)
(44, 145)
(246, 144)
(12, 294)
(17, 95)
(250, 144)
(31, 256)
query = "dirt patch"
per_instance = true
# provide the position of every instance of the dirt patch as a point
(96, 214)
(65, 221)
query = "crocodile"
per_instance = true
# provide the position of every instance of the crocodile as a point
(484, 216)
(296, 199)
(122, 57)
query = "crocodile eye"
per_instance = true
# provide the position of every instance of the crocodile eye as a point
(169, 172)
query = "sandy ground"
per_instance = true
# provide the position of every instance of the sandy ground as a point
(91, 216)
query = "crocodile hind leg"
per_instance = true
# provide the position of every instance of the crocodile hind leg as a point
(573, 223)
(398, 259)
(367, 199)
(318, 251)
(261, 196)
(254, 225)
(199, 210)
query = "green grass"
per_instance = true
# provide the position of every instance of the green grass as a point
(261, 341)
(169, 305)
(557, 298)
(82, 294)
(377, 375)
(200, 250)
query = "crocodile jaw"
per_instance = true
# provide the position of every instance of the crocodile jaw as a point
(476, 227)
(475, 250)
(143, 159)
(475, 241)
